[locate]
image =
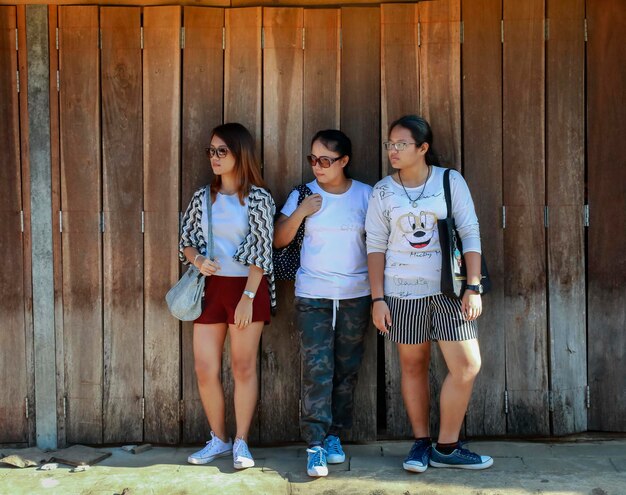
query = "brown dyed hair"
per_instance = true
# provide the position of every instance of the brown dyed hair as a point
(241, 144)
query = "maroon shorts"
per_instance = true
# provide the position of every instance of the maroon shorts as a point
(222, 294)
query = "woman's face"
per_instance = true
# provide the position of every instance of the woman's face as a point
(225, 165)
(332, 174)
(412, 153)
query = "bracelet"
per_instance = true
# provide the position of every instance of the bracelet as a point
(196, 259)
(376, 299)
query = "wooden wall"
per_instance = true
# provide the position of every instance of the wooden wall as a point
(512, 104)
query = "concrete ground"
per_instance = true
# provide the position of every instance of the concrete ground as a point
(589, 467)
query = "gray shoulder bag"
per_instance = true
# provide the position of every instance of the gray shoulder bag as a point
(184, 299)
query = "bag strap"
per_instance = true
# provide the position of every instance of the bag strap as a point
(446, 192)
(303, 192)
(209, 234)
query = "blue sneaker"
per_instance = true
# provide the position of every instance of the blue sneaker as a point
(417, 460)
(461, 459)
(332, 445)
(316, 462)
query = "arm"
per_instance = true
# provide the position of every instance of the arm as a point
(243, 311)
(380, 311)
(286, 226)
(205, 265)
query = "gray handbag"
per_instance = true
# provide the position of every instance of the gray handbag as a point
(184, 299)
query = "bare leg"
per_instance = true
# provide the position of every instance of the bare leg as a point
(208, 343)
(463, 361)
(414, 362)
(244, 346)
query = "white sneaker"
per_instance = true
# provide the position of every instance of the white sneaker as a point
(213, 449)
(242, 458)
(316, 462)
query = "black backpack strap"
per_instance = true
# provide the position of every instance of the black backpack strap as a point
(446, 192)
(303, 192)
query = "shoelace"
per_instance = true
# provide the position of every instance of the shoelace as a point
(333, 447)
(414, 449)
(318, 456)
(242, 450)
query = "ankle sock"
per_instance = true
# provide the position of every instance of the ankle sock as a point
(426, 439)
(446, 448)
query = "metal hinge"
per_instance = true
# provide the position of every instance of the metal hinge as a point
(550, 401)
(585, 28)
(546, 216)
(223, 37)
(502, 31)
(588, 397)
(181, 410)
(102, 221)
(303, 38)
(586, 215)
(26, 407)
(141, 36)
(262, 38)
(419, 34)
(299, 408)
(143, 408)
(56, 37)
(506, 402)
(61, 221)
(65, 406)
(462, 32)
(22, 220)
(503, 217)
(143, 222)
(17, 41)
(546, 29)
(58, 81)
(182, 38)
(17, 74)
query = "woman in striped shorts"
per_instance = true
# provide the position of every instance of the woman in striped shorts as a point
(404, 261)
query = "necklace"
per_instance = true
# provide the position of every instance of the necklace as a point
(414, 201)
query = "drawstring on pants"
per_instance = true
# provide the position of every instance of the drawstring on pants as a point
(335, 309)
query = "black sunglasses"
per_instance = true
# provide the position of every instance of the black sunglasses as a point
(324, 161)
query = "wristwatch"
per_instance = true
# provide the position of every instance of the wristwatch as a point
(249, 293)
(476, 288)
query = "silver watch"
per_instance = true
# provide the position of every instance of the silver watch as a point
(249, 293)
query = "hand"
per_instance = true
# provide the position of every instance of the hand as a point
(381, 316)
(471, 305)
(243, 312)
(310, 205)
(208, 267)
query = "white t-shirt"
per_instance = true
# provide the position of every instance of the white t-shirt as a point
(409, 236)
(333, 260)
(230, 227)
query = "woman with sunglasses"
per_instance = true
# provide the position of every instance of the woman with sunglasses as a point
(237, 296)
(404, 257)
(332, 294)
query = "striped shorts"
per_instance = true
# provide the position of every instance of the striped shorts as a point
(436, 317)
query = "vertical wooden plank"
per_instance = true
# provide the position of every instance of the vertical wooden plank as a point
(606, 128)
(203, 72)
(282, 154)
(242, 70)
(524, 198)
(400, 86)
(440, 76)
(122, 238)
(82, 243)
(57, 247)
(322, 77)
(13, 377)
(482, 163)
(565, 168)
(360, 120)
(360, 89)
(400, 95)
(161, 148)
(22, 59)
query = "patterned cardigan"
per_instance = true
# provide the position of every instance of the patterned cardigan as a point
(255, 249)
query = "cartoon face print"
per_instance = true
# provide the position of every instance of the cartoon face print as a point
(418, 230)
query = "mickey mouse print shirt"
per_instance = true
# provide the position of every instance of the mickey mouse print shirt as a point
(406, 231)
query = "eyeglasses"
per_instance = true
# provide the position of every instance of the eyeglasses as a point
(401, 146)
(323, 161)
(220, 151)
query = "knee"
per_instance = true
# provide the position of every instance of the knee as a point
(207, 372)
(415, 368)
(467, 370)
(243, 370)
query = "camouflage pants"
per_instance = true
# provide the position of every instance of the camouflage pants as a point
(330, 362)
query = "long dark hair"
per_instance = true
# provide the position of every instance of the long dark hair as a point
(421, 132)
(336, 141)
(241, 144)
